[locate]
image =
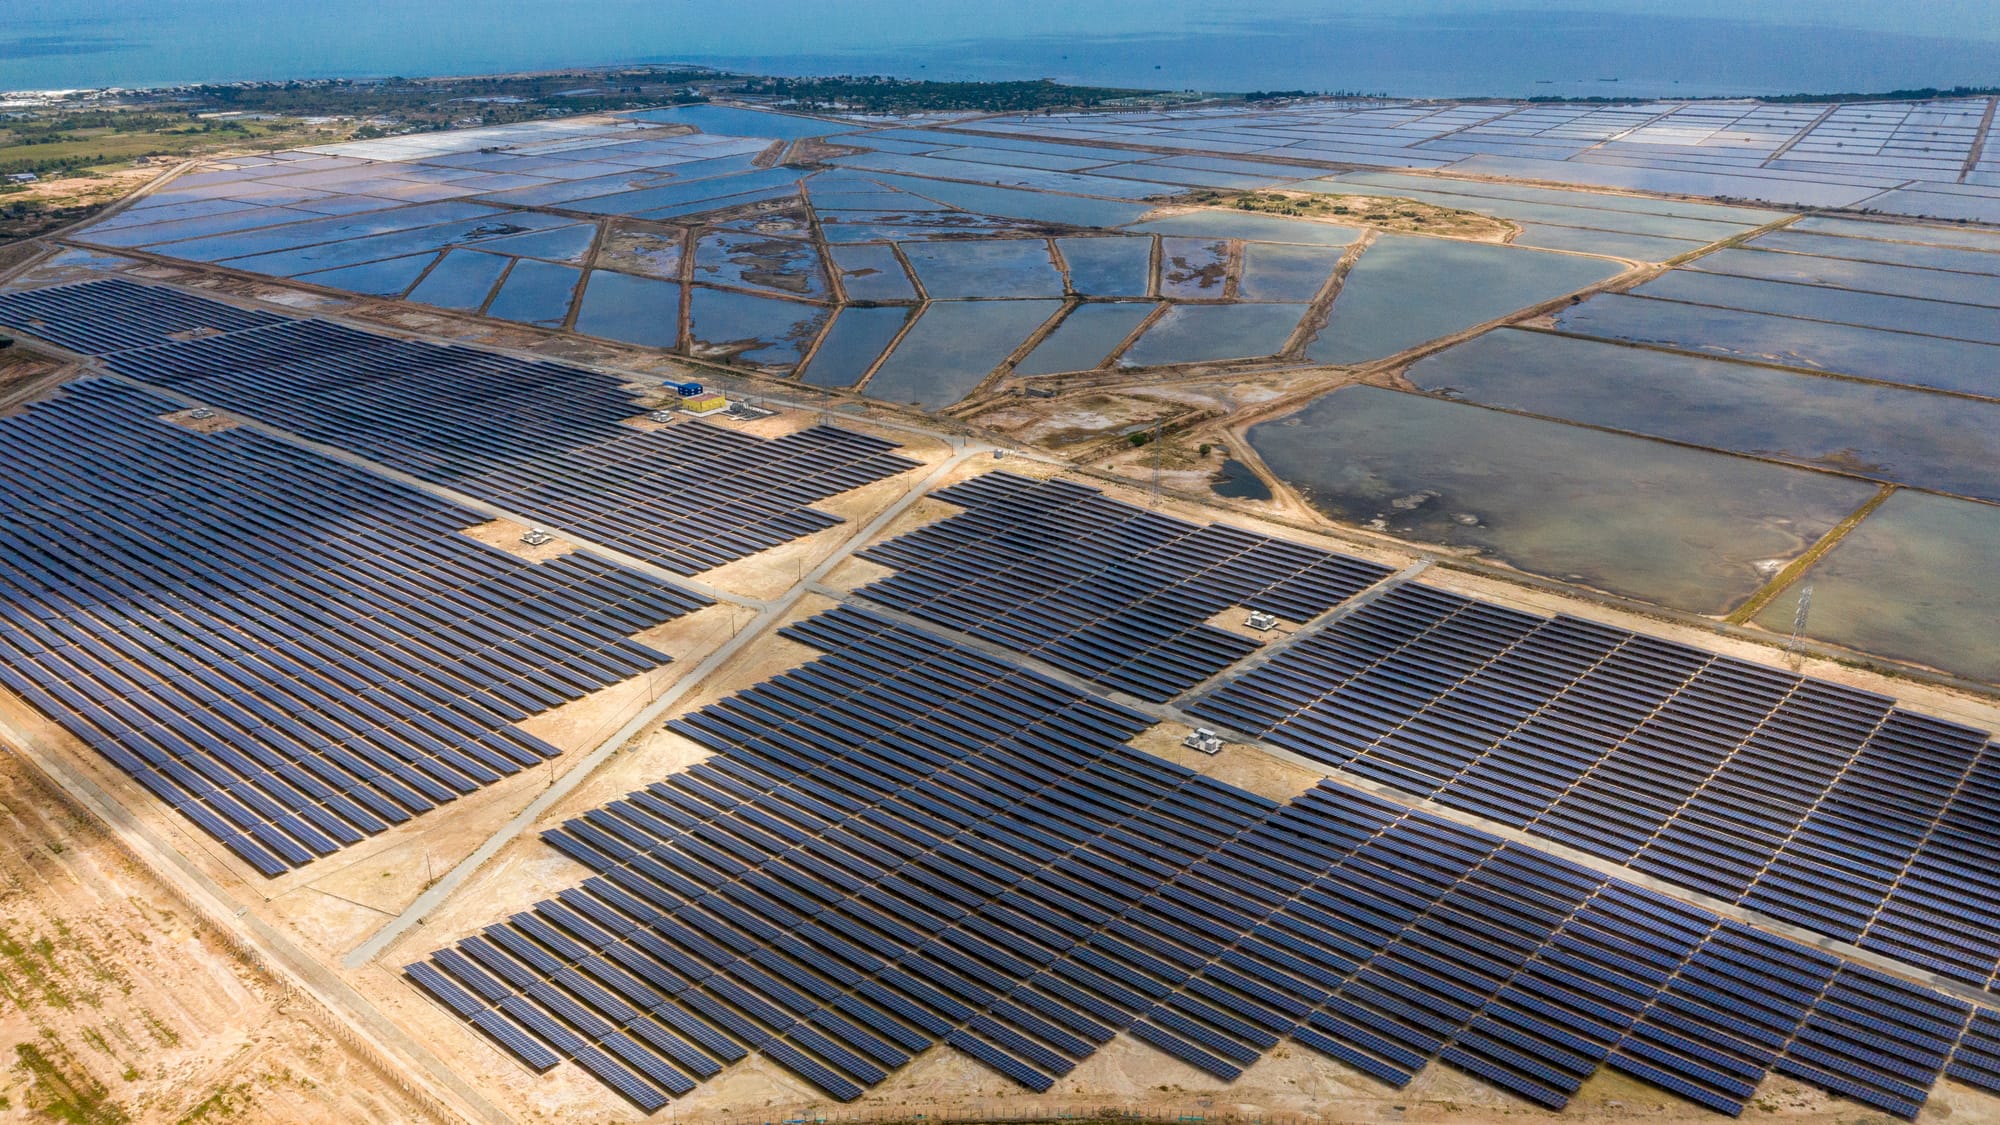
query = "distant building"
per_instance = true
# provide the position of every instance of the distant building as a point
(22, 177)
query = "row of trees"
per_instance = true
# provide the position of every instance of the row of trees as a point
(877, 94)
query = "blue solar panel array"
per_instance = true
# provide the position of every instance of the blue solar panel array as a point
(113, 315)
(1809, 801)
(1111, 592)
(291, 652)
(1977, 1060)
(544, 439)
(905, 843)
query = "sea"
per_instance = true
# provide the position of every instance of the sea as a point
(1413, 48)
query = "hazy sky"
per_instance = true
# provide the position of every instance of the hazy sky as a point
(1423, 47)
(731, 25)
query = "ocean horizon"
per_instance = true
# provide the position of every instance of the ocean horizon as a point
(1268, 46)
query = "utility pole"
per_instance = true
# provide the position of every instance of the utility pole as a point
(1795, 649)
(1157, 426)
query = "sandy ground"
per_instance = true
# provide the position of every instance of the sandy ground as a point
(506, 535)
(123, 966)
(26, 378)
(214, 423)
(1369, 211)
(93, 190)
(1959, 706)
(114, 1005)
(1126, 1076)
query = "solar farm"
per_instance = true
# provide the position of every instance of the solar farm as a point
(1301, 612)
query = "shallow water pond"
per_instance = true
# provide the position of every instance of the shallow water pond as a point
(1816, 302)
(1237, 481)
(895, 226)
(1014, 267)
(1869, 353)
(1680, 527)
(376, 279)
(461, 281)
(870, 271)
(535, 293)
(756, 261)
(953, 347)
(1875, 277)
(562, 244)
(1273, 272)
(1887, 433)
(1205, 333)
(764, 331)
(1982, 261)
(1194, 269)
(858, 337)
(1084, 339)
(1260, 228)
(1406, 290)
(655, 252)
(1015, 203)
(636, 310)
(1913, 582)
(392, 244)
(1108, 267)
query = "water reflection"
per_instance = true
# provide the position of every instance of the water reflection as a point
(1914, 582)
(953, 347)
(1888, 433)
(1683, 528)
(1084, 338)
(1406, 290)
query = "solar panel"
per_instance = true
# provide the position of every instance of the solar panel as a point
(1377, 936)
(321, 656)
(1105, 590)
(1806, 801)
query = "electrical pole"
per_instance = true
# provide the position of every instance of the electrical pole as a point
(1156, 462)
(1795, 650)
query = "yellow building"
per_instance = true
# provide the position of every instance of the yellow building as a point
(704, 403)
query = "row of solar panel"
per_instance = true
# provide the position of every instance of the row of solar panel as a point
(1108, 591)
(1808, 801)
(1531, 973)
(317, 656)
(120, 315)
(1004, 510)
(904, 843)
(841, 809)
(542, 437)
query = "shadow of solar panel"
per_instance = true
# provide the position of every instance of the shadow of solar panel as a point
(1104, 590)
(1876, 1039)
(905, 842)
(1807, 801)
(1976, 1062)
(292, 653)
(542, 438)
(113, 315)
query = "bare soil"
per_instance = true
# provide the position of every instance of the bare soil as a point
(26, 377)
(506, 535)
(216, 421)
(1375, 212)
(116, 1006)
